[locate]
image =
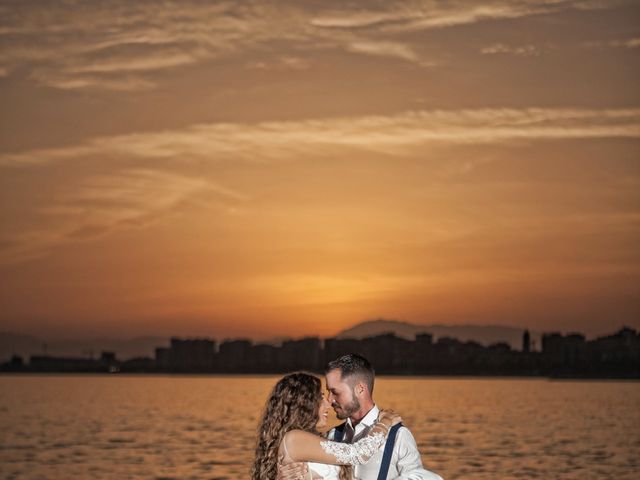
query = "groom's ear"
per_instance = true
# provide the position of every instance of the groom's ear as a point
(360, 389)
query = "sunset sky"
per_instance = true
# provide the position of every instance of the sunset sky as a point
(283, 168)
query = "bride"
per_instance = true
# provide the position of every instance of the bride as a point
(288, 433)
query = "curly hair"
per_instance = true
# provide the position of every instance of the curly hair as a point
(292, 405)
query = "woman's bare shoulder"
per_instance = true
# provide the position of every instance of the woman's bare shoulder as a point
(296, 445)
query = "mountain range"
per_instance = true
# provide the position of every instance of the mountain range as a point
(27, 345)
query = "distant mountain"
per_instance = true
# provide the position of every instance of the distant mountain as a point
(483, 334)
(26, 345)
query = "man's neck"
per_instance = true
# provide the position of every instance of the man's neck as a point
(357, 417)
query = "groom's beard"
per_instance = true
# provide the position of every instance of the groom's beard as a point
(344, 412)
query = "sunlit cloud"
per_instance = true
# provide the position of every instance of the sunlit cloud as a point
(629, 43)
(104, 204)
(626, 43)
(99, 205)
(159, 61)
(387, 134)
(131, 38)
(385, 49)
(520, 51)
(465, 14)
(423, 15)
(283, 63)
(359, 19)
(118, 82)
(68, 48)
(632, 43)
(413, 16)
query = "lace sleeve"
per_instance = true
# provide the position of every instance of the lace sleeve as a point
(355, 453)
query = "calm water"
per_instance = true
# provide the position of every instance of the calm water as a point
(155, 427)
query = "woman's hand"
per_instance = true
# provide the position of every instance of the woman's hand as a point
(389, 417)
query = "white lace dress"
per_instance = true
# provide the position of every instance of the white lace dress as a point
(323, 471)
(353, 454)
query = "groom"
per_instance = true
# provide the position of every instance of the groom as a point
(349, 382)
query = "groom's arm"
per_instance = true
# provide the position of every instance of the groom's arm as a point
(409, 463)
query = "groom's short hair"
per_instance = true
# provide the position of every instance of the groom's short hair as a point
(353, 367)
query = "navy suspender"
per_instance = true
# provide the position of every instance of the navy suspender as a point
(388, 447)
(388, 450)
(339, 433)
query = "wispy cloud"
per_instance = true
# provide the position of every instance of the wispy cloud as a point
(360, 19)
(103, 204)
(282, 63)
(69, 47)
(117, 82)
(428, 14)
(631, 43)
(120, 45)
(388, 134)
(96, 205)
(625, 43)
(520, 51)
(385, 49)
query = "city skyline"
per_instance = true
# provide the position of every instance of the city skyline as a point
(615, 355)
(283, 169)
(16, 343)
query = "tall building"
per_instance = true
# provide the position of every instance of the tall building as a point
(234, 356)
(189, 355)
(526, 342)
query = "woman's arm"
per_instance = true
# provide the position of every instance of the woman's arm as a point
(307, 447)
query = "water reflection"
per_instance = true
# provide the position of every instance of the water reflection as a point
(204, 427)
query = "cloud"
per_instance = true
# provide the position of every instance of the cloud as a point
(632, 43)
(283, 63)
(385, 49)
(120, 45)
(360, 19)
(427, 14)
(103, 204)
(620, 43)
(629, 43)
(68, 47)
(520, 51)
(388, 134)
(89, 206)
(147, 63)
(111, 82)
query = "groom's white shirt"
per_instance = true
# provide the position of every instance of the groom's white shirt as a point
(406, 463)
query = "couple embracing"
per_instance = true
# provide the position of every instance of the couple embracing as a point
(371, 444)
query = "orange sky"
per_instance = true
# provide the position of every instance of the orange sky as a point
(273, 169)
